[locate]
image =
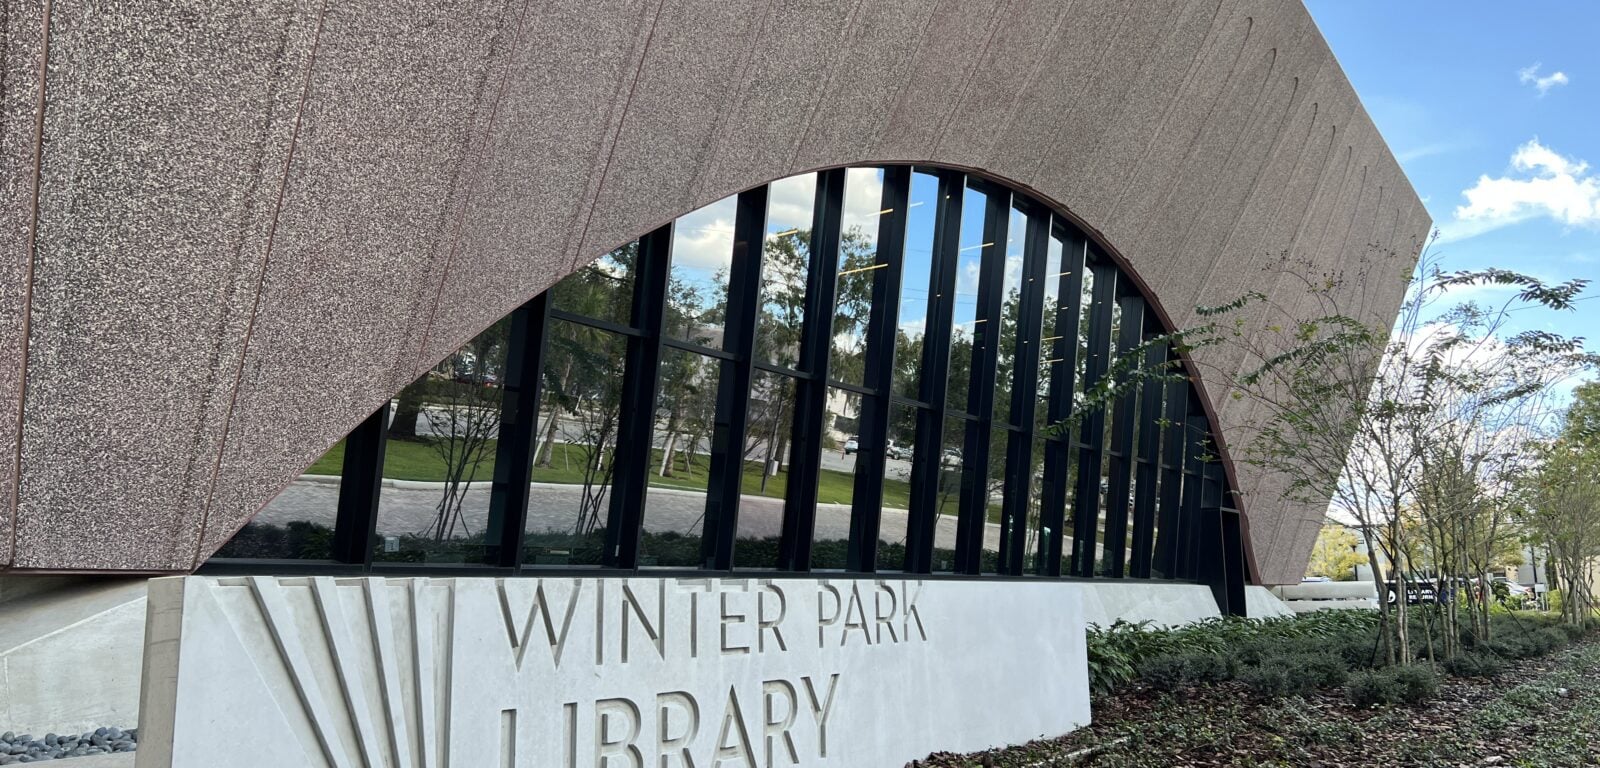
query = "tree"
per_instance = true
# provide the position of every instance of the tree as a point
(1565, 502)
(1417, 436)
(1335, 555)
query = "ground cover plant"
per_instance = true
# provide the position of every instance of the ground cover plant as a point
(1311, 691)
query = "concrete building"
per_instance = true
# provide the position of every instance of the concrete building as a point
(234, 236)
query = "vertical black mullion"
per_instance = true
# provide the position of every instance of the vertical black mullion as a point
(1149, 458)
(355, 527)
(974, 509)
(640, 381)
(1194, 456)
(816, 333)
(731, 424)
(519, 417)
(1086, 507)
(1120, 471)
(927, 455)
(1211, 550)
(1174, 417)
(1210, 568)
(1063, 349)
(1233, 561)
(866, 502)
(1024, 395)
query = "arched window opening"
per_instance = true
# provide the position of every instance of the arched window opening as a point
(852, 370)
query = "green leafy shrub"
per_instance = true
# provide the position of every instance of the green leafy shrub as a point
(1372, 688)
(1325, 670)
(1552, 638)
(1474, 665)
(1169, 673)
(1573, 632)
(1163, 673)
(1294, 674)
(1360, 652)
(1113, 655)
(1209, 668)
(1117, 652)
(1273, 681)
(296, 540)
(1417, 682)
(1512, 648)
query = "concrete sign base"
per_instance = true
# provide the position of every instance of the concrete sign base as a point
(267, 672)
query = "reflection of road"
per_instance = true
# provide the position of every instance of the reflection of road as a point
(554, 508)
(435, 422)
(570, 430)
(893, 469)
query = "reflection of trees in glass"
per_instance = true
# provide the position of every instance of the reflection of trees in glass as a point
(583, 396)
(407, 409)
(463, 418)
(785, 260)
(852, 306)
(583, 371)
(783, 296)
(771, 411)
(689, 399)
(603, 290)
(691, 314)
(460, 401)
(908, 364)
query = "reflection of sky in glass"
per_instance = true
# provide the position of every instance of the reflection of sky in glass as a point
(1049, 335)
(1012, 352)
(970, 248)
(919, 254)
(702, 249)
(863, 194)
(789, 211)
(1016, 232)
(790, 203)
(1086, 306)
(857, 269)
(969, 262)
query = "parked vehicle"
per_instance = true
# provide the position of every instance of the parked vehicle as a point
(852, 445)
(951, 457)
(1418, 591)
(894, 451)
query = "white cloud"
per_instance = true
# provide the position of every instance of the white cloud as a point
(1542, 183)
(1530, 76)
(791, 201)
(1430, 150)
(702, 241)
(863, 201)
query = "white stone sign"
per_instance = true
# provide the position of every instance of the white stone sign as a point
(602, 672)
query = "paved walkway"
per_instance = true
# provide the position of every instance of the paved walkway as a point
(554, 508)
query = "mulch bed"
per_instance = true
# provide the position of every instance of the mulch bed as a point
(1539, 712)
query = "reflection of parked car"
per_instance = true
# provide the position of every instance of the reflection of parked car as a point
(895, 451)
(951, 457)
(851, 446)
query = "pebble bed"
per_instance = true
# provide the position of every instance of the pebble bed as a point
(19, 748)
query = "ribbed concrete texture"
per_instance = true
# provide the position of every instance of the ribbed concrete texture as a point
(258, 220)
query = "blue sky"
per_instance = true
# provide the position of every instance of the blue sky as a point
(1492, 109)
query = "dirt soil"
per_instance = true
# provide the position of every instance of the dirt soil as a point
(1540, 712)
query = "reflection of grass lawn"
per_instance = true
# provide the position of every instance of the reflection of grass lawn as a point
(416, 460)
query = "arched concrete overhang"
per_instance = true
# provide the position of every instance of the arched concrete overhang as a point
(372, 184)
